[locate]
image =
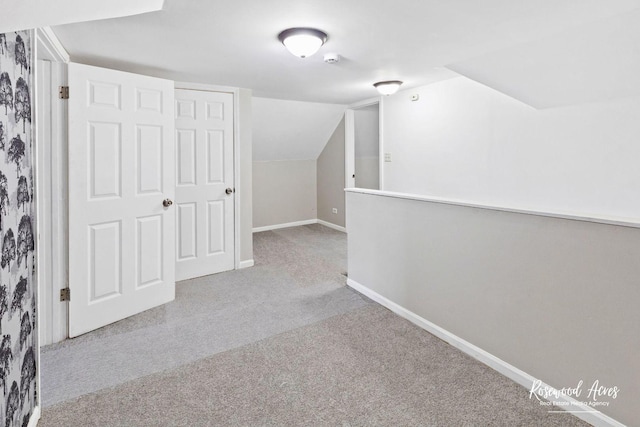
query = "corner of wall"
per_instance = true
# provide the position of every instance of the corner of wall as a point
(284, 193)
(246, 175)
(330, 169)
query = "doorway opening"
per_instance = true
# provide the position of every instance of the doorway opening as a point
(363, 145)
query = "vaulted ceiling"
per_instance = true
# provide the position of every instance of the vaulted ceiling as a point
(28, 14)
(234, 43)
(292, 130)
(592, 62)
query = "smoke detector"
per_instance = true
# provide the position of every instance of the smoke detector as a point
(331, 58)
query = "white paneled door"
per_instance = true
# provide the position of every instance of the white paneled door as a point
(204, 183)
(121, 169)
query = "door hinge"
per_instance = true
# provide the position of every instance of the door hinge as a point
(65, 294)
(64, 92)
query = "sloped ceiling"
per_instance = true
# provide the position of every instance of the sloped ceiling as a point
(591, 62)
(26, 14)
(235, 43)
(545, 52)
(292, 130)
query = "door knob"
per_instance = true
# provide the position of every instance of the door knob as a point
(167, 202)
(228, 190)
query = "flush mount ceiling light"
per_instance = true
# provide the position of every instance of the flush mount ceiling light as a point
(388, 87)
(302, 42)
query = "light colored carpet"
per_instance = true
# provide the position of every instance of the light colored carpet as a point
(338, 359)
(210, 315)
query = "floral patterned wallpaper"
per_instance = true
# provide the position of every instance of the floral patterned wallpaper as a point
(18, 336)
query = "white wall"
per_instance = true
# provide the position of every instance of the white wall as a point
(466, 141)
(284, 192)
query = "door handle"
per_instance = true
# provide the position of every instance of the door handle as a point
(167, 202)
(229, 190)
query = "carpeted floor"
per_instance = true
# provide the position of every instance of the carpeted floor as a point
(283, 343)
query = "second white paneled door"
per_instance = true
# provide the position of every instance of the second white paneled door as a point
(204, 183)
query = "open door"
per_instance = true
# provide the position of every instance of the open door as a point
(121, 170)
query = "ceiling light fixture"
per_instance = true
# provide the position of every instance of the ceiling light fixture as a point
(302, 42)
(388, 87)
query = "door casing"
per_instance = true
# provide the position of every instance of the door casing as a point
(51, 193)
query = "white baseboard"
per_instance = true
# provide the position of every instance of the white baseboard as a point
(35, 417)
(299, 223)
(286, 225)
(596, 418)
(331, 225)
(246, 264)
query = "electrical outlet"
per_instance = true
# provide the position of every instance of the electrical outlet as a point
(387, 157)
(334, 210)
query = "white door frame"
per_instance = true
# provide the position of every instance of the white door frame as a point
(51, 183)
(236, 154)
(350, 141)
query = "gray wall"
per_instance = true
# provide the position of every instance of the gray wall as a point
(556, 298)
(331, 179)
(368, 172)
(246, 183)
(366, 124)
(284, 192)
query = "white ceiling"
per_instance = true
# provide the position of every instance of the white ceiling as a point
(26, 14)
(592, 62)
(234, 43)
(292, 130)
